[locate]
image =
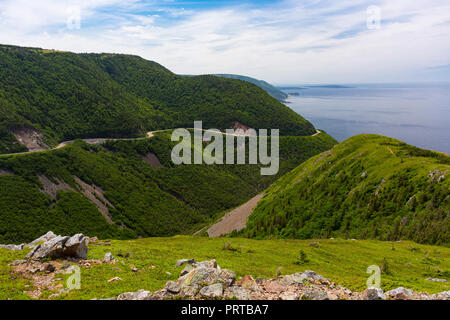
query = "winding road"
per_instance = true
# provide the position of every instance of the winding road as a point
(149, 134)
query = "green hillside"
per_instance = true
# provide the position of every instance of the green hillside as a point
(367, 187)
(42, 191)
(273, 91)
(65, 95)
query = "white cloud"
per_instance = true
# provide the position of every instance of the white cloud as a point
(311, 42)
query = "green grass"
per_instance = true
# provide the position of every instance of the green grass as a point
(343, 261)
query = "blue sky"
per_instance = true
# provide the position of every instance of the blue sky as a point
(283, 42)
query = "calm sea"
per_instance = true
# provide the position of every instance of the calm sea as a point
(416, 114)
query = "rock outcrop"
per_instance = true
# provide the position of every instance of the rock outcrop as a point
(206, 280)
(12, 247)
(61, 247)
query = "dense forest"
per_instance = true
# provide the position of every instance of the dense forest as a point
(142, 199)
(367, 187)
(273, 91)
(65, 96)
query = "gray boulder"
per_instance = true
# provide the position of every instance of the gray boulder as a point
(12, 247)
(61, 247)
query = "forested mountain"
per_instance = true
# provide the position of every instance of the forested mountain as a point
(65, 95)
(273, 91)
(128, 188)
(368, 186)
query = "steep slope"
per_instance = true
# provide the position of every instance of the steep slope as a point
(65, 96)
(83, 188)
(273, 91)
(368, 186)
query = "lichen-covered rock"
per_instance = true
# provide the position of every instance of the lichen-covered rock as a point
(236, 292)
(188, 268)
(315, 295)
(212, 291)
(400, 294)
(292, 279)
(228, 277)
(173, 287)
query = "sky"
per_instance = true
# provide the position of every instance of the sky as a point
(283, 42)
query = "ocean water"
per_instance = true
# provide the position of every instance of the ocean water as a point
(416, 114)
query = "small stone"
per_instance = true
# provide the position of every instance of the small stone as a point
(436, 280)
(17, 263)
(114, 279)
(289, 296)
(207, 264)
(48, 267)
(108, 257)
(315, 295)
(139, 295)
(184, 261)
(374, 294)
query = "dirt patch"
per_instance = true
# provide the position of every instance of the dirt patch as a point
(153, 160)
(235, 219)
(93, 193)
(30, 138)
(237, 125)
(51, 188)
(96, 196)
